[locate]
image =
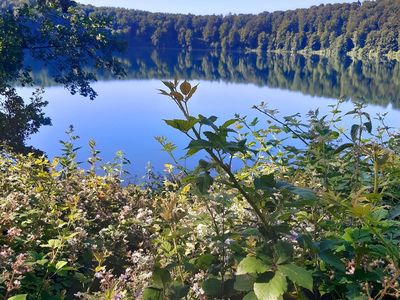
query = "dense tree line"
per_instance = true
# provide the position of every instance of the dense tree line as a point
(371, 25)
(368, 80)
(336, 28)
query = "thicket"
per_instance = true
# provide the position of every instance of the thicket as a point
(293, 207)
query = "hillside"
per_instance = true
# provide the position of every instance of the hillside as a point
(370, 28)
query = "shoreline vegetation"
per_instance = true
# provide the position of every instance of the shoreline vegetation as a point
(354, 54)
(368, 29)
(319, 221)
(313, 211)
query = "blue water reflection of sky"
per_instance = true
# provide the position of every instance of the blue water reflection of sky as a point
(128, 114)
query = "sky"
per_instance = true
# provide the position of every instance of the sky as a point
(211, 6)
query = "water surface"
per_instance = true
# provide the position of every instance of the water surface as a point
(128, 113)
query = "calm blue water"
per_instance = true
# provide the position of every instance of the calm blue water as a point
(129, 113)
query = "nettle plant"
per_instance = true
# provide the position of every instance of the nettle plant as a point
(316, 221)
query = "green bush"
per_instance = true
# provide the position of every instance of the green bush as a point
(292, 208)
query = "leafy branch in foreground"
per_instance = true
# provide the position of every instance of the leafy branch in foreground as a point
(298, 248)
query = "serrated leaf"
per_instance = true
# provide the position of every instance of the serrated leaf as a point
(298, 275)
(182, 125)
(251, 265)
(272, 290)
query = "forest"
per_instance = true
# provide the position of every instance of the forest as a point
(366, 29)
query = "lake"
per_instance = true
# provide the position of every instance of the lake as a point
(128, 113)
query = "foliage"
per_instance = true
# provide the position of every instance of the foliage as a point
(322, 214)
(363, 28)
(286, 208)
(58, 34)
(66, 231)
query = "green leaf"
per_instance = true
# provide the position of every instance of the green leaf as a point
(182, 125)
(265, 182)
(204, 261)
(394, 212)
(250, 296)
(203, 182)
(212, 286)
(251, 265)
(152, 294)
(178, 291)
(283, 252)
(343, 147)
(354, 131)
(379, 214)
(244, 283)
(298, 275)
(197, 145)
(333, 260)
(306, 194)
(60, 264)
(19, 297)
(161, 278)
(368, 125)
(208, 121)
(272, 290)
(228, 123)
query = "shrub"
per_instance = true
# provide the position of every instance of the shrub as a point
(297, 208)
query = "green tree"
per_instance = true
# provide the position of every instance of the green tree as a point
(61, 34)
(262, 41)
